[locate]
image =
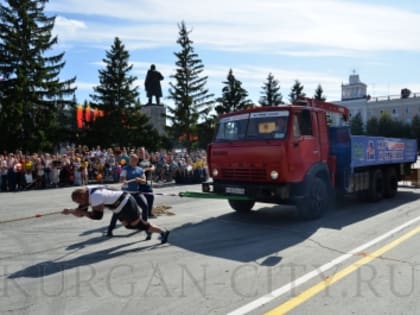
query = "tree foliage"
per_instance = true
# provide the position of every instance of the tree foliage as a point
(356, 125)
(122, 124)
(385, 126)
(296, 92)
(32, 96)
(372, 126)
(192, 100)
(319, 93)
(234, 96)
(270, 95)
(415, 129)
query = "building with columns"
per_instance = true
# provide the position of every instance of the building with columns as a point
(401, 107)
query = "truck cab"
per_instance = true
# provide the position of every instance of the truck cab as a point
(266, 153)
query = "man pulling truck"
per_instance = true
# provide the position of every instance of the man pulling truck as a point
(132, 176)
(122, 204)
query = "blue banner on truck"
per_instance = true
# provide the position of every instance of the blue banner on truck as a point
(367, 150)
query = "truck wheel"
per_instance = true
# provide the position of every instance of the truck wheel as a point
(391, 183)
(376, 186)
(315, 201)
(241, 205)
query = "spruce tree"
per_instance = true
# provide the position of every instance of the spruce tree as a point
(234, 96)
(117, 96)
(31, 92)
(356, 125)
(372, 127)
(415, 129)
(271, 95)
(192, 100)
(296, 92)
(319, 93)
(386, 125)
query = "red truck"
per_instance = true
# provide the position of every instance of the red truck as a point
(289, 155)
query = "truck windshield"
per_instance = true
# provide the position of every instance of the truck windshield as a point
(253, 126)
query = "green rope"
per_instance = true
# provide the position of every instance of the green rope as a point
(193, 194)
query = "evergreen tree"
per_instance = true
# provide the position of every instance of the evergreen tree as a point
(206, 131)
(386, 126)
(117, 96)
(270, 95)
(319, 93)
(234, 96)
(31, 92)
(415, 129)
(192, 100)
(356, 125)
(296, 92)
(389, 127)
(372, 127)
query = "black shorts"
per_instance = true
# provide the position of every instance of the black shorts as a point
(129, 212)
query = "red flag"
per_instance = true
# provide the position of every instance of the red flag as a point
(87, 113)
(79, 116)
(95, 114)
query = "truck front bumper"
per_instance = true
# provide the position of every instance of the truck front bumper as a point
(271, 193)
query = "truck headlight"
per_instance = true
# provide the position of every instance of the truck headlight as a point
(274, 175)
(215, 172)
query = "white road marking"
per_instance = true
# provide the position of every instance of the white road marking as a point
(301, 280)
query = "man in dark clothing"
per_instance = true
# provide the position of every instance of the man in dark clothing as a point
(145, 187)
(122, 204)
(132, 176)
(152, 84)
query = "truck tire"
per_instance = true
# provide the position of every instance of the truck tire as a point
(376, 186)
(315, 200)
(391, 183)
(241, 205)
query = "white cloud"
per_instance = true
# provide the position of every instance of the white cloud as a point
(85, 86)
(299, 28)
(68, 27)
(266, 25)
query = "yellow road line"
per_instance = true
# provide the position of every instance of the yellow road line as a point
(307, 294)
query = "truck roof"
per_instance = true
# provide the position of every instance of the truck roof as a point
(307, 103)
(254, 109)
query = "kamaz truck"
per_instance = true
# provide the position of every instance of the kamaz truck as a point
(291, 155)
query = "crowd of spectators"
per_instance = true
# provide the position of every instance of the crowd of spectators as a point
(75, 166)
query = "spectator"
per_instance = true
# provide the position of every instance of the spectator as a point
(3, 172)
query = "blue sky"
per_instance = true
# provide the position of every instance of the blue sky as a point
(316, 42)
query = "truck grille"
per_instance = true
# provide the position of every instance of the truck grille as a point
(244, 174)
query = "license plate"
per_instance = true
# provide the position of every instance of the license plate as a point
(235, 190)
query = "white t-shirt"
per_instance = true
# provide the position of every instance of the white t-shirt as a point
(106, 197)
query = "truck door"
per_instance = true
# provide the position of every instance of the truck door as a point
(305, 149)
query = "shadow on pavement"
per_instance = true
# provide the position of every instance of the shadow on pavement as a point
(253, 236)
(249, 237)
(49, 267)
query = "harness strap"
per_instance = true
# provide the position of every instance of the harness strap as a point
(116, 205)
(120, 199)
